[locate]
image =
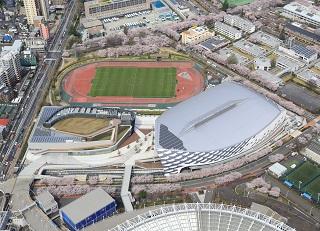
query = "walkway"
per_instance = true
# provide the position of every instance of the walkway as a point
(125, 193)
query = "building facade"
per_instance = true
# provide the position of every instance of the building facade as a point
(31, 10)
(10, 67)
(98, 9)
(88, 209)
(227, 30)
(240, 23)
(299, 12)
(47, 203)
(196, 35)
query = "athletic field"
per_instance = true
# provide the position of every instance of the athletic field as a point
(313, 188)
(134, 82)
(305, 173)
(238, 2)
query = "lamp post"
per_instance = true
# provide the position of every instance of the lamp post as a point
(300, 182)
(318, 197)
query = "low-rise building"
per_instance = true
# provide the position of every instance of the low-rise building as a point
(36, 44)
(312, 151)
(227, 30)
(215, 43)
(240, 23)
(300, 51)
(196, 35)
(269, 76)
(265, 39)
(262, 64)
(88, 209)
(309, 77)
(277, 170)
(303, 34)
(249, 48)
(98, 9)
(289, 63)
(47, 203)
(306, 14)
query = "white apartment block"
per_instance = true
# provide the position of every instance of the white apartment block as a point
(98, 9)
(240, 23)
(227, 30)
(299, 12)
(10, 64)
(196, 35)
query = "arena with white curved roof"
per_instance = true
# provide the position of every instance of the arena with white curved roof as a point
(215, 126)
(201, 217)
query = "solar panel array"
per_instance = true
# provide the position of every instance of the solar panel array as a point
(302, 50)
(201, 217)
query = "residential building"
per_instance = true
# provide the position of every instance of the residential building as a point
(36, 44)
(36, 8)
(10, 68)
(47, 203)
(240, 23)
(31, 10)
(196, 35)
(262, 64)
(97, 9)
(306, 14)
(88, 209)
(227, 30)
(44, 31)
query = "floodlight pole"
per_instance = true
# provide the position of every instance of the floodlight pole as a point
(300, 182)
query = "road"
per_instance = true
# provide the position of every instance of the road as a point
(29, 105)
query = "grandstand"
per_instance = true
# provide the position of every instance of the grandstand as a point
(215, 126)
(201, 216)
(45, 137)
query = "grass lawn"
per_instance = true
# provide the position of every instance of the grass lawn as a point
(238, 2)
(134, 82)
(304, 173)
(81, 125)
(313, 188)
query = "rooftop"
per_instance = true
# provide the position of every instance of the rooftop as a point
(87, 205)
(46, 199)
(303, 50)
(310, 34)
(227, 27)
(304, 11)
(226, 114)
(249, 48)
(265, 39)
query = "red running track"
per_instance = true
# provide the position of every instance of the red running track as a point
(77, 83)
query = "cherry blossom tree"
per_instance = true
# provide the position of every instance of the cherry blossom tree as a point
(276, 158)
(274, 191)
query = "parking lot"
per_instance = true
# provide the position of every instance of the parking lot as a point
(147, 18)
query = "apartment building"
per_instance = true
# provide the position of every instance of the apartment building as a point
(240, 23)
(196, 35)
(36, 8)
(227, 30)
(10, 67)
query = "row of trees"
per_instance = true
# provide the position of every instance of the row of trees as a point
(142, 179)
(155, 188)
(276, 157)
(262, 186)
(220, 168)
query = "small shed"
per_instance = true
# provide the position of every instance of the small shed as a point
(277, 170)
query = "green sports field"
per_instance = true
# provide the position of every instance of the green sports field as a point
(313, 188)
(305, 173)
(238, 2)
(134, 82)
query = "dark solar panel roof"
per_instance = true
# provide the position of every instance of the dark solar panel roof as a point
(302, 50)
(304, 32)
(168, 140)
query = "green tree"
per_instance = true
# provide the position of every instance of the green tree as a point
(232, 59)
(225, 5)
(273, 62)
(142, 194)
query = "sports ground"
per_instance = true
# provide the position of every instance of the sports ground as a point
(132, 84)
(238, 2)
(309, 176)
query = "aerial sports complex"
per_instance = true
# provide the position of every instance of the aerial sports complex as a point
(218, 125)
(136, 84)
